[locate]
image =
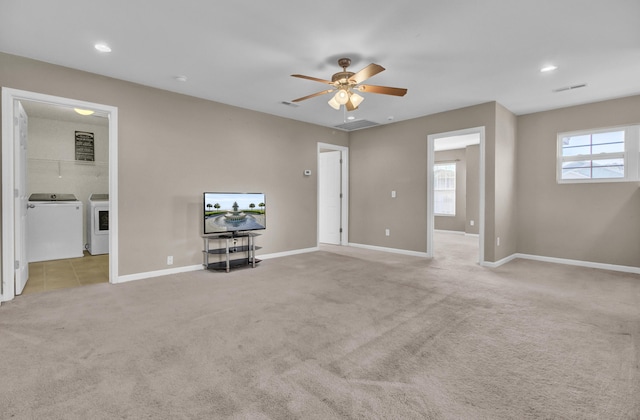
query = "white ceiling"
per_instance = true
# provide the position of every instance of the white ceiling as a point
(448, 54)
(62, 113)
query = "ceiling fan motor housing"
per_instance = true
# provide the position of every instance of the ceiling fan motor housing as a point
(342, 76)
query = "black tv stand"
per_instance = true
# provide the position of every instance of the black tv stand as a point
(241, 244)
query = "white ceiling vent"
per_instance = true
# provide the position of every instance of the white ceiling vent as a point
(562, 89)
(356, 125)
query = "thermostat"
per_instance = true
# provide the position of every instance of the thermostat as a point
(307, 172)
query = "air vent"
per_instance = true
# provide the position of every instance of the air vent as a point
(562, 89)
(356, 125)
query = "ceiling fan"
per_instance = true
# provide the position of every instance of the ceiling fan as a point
(345, 83)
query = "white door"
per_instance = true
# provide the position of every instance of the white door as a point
(330, 196)
(21, 199)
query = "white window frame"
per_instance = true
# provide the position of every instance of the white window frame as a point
(455, 188)
(631, 155)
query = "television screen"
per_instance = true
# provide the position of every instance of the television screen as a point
(234, 212)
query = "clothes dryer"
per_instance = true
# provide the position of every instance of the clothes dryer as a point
(98, 224)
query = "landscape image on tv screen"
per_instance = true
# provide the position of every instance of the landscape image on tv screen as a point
(233, 212)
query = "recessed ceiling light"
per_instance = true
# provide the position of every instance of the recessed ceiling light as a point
(550, 67)
(181, 78)
(102, 48)
(351, 117)
(83, 111)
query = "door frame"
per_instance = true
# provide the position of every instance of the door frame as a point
(431, 138)
(344, 179)
(9, 96)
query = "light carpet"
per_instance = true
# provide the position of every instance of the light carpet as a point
(343, 333)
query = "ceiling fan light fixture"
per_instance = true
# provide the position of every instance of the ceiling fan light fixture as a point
(345, 83)
(356, 99)
(334, 104)
(342, 96)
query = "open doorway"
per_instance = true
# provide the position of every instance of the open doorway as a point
(15, 257)
(455, 216)
(333, 195)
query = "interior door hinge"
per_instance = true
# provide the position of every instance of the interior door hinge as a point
(16, 193)
(17, 264)
(340, 230)
(340, 195)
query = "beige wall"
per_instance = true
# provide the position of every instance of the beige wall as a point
(459, 220)
(394, 157)
(587, 222)
(473, 189)
(173, 147)
(504, 171)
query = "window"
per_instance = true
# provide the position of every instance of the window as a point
(605, 155)
(444, 189)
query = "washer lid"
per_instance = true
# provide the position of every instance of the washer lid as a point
(99, 197)
(52, 197)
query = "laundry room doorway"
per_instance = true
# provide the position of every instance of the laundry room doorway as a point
(84, 169)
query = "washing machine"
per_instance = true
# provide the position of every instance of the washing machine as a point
(98, 224)
(54, 227)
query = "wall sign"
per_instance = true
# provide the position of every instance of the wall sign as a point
(84, 146)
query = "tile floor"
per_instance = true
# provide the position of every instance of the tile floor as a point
(61, 274)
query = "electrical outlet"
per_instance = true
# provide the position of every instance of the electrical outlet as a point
(498, 241)
(471, 222)
(170, 260)
(386, 232)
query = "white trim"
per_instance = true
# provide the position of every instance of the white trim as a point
(565, 261)
(392, 250)
(344, 238)
(9, 96)
(159, 273)
(457, 232)
(498, 263)
(190, 268)
(630, 156)
(431, 138)
(288, 253)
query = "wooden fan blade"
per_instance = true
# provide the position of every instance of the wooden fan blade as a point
(315, 79)
(385, 90)
(367, 72)
(313, 95)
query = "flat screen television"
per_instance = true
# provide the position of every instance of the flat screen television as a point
(233, 212)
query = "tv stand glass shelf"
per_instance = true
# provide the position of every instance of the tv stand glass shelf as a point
(239, 250)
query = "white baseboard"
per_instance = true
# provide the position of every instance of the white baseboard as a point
(579, 263)
(158, 273)
(393, 250)
(185, 269)
(499, 262)
(457, 232)
(288, 253)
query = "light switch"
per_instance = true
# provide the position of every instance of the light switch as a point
(393, 194)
